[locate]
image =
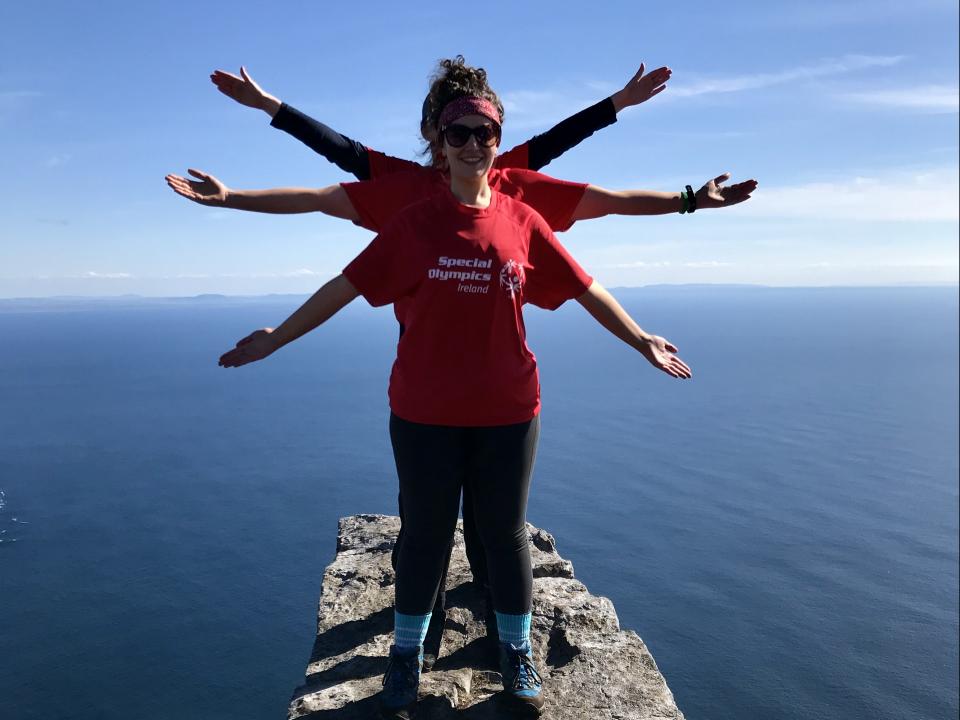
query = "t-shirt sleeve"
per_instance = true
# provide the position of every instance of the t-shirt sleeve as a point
(555, 200)
(387, 269)
(378, 202)
(518, 157)
(382, 165)
(553, 276)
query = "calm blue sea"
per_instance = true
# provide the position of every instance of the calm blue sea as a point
(782, 530)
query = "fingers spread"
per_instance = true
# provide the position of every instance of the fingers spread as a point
(722, 178)
(198, 174)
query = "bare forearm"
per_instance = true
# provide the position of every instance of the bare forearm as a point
(274, 200)
(658, 351)
(321, 306)
(330, 200)
(610, 314)
(598, 202)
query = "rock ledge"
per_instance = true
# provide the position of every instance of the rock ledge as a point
(591, 668)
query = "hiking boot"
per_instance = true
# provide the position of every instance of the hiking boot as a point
(431, 645)
(398, 699)
(522, 686)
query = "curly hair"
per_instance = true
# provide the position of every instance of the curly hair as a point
(452, 79)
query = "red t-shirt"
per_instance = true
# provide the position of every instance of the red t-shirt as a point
(381, 165)
(463, 275)
(377, 202)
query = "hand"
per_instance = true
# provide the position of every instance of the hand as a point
(641, 88)
(659, 352)
(244, 90)
(713, 195)
(208, 191)
(255, 346)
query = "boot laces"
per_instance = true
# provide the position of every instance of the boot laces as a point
(525, 675)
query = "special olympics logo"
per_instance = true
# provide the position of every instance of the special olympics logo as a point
(512, 277)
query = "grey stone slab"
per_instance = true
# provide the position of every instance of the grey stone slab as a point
(590, 667)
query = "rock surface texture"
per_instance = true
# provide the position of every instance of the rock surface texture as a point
(591, 668)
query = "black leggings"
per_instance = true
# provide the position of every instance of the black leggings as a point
(476, 556)
(434, 462)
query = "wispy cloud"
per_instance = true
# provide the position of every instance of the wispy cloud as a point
(96, 275)
(14, 96)
(107, 276)
(637, 264)
(655, 264)
(298, 273)
(707, 264)
(935, 98)
(929, 196)
(12, 100)
(527, 109)
(824, 68)
(57, 160)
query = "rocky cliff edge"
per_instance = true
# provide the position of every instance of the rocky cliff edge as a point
(591, 668)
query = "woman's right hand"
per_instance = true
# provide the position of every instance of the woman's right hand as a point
(641, 88)
(255, 346)
(245, 91)
(207, 190)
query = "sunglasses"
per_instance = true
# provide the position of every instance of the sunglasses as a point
(459, 135)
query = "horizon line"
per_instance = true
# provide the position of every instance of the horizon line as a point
(211, 295)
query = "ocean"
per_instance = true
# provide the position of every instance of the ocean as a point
(782, 530)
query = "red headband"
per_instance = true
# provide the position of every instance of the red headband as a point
(468, 105)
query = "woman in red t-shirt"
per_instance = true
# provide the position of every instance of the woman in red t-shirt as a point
(464, 390)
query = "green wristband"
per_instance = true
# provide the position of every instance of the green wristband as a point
(684, 202)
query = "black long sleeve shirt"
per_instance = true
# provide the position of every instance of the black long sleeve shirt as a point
(353, 157)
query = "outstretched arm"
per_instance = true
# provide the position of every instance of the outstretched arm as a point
(208, 190)
(349, 155)
(542, 149)
(610, 314)
(323, 305)
(597, 201)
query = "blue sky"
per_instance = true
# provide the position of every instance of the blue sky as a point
(847, 114)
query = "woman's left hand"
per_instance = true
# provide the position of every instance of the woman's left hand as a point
(659, 352)
(714, 194)
(255, 346)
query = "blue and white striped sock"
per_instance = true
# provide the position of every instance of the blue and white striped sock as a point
(409, 631)
(514, 629)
